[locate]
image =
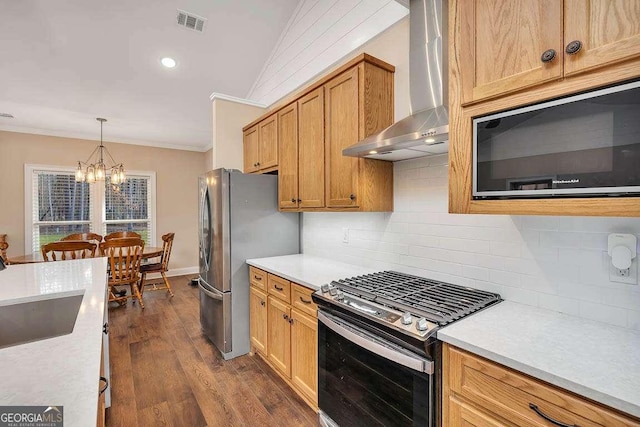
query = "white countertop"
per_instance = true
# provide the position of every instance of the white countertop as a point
(308, 270)
(65, 370)
(595, 360)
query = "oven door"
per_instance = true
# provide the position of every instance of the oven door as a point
(364, 380)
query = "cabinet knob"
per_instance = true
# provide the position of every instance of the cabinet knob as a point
(548, 55)
(255, 164)
(291, 321)
(352, 197)
(293, 200)
(299, 200)
(262, 303)
(573, 47)
(258, 164)
(285, 317)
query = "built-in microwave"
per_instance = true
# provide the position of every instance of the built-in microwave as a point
(582, 145)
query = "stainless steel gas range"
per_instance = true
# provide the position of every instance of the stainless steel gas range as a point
(379, 362)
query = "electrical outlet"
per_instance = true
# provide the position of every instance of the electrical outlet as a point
(628, 275)
(345, 235)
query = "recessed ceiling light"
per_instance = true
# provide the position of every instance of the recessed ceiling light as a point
(373, 152)
(429, 140)
(168, 62)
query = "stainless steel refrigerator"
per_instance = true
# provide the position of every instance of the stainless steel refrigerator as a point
(238, 220)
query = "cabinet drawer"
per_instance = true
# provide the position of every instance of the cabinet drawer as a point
(258, 278)
(301, 299)
(511, 395)
(280, 288)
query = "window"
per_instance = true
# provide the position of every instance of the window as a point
(127, 207)
(57, 205)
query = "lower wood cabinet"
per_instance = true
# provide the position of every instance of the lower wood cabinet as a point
(284, 331)
(279, 335)
(258, 320)
(478, 392)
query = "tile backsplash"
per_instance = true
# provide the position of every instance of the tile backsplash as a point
(558, 263)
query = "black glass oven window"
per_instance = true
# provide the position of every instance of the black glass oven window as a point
(589, 143)
(359, 388)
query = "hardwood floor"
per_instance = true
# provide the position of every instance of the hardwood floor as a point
(164, 372)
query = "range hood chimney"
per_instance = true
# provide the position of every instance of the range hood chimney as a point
(426, 131)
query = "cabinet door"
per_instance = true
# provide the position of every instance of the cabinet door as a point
(268, 150)
(341, 115)
(502, 42)
(288, 152)
(258, 319)
(311, 149)
(250, 152)
(608, 31)
(304, 354)
(279, 335)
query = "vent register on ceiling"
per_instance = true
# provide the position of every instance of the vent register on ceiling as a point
(190, 21)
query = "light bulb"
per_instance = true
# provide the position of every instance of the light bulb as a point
(123, 176)
(100, 172)
(91, 174)
(79, 173)
(115, 176)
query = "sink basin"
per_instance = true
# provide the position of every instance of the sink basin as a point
(38, 320)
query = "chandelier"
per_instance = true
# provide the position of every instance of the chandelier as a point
(94, 169)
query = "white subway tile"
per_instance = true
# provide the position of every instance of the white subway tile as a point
(554, 239)
(506, 249)
(504, 278)
(633, 319)
(477, 273)
(523, 296)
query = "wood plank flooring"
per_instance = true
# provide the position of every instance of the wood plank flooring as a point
(164, 372)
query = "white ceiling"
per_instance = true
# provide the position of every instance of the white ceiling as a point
(64, 63)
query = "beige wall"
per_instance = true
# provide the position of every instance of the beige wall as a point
(208, 160)
(229, 118)
(176, 185)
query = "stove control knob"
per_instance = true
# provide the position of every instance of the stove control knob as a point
(406, 318)
(339, 296)
(421, 324)
(325, 288)
(333, 290)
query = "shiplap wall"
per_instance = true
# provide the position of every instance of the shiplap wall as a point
(319, 34)
(558, 263)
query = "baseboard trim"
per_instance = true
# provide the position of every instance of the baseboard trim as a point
(176, 272)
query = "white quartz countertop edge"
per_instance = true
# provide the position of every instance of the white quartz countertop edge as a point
(308, 270)
(63, 370)
(612, 378)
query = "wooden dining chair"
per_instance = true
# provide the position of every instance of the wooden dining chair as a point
(121, 234)
(89, 237)
(159, 267)
(124, 256)
(70, 249)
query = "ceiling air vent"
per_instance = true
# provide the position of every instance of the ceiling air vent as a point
(6, 115)
(190, 21)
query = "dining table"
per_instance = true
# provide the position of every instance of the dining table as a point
(148, 252)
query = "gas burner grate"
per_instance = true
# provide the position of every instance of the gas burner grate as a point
(437, 301)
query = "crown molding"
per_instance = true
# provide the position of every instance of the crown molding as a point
(92, 137)
(222, 96)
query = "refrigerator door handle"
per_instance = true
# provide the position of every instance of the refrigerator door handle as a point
(215, 294)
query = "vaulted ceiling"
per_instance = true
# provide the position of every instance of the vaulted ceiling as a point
(64, 63)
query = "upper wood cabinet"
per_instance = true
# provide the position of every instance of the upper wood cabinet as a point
(261, 146)
(341, 109)
(503, 43)
(495, 64)
(301, 171)
(608, 32)
(317, 123)
(506, 48)
(251, 148)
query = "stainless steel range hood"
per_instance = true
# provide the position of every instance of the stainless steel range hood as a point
(426, 131)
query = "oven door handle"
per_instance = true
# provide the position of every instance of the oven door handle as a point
(376, 345)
